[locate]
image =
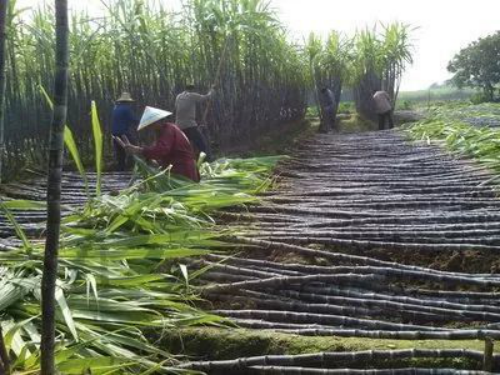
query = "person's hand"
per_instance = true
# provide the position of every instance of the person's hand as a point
(124, 142)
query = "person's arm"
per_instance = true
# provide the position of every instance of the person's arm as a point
(203, 98)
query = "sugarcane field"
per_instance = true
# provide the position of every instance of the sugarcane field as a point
(249, 187)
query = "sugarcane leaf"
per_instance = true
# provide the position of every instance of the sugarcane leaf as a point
(18, 229)
(98, 142)
(107, 255)
(66, 312)
(23, 204)
(70, 143)
(95, 364)
(185, 273)
(13, 338)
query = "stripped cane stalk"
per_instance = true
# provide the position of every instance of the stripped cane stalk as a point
(54, 189)
(3, 36)
(395, 307)
(330, 358)
(383, 271)
(400, 335)
(280, 281)
(216, 80)
(270, 245)
(280, 370)
(323, 319)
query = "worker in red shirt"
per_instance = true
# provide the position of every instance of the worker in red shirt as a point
(172, 148)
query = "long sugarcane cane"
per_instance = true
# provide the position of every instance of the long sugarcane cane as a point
(324, 294)
(279, 281)
(54, 189)
(4, 356)
(280, 370)
(330, 358)
(3, 37)
(390, 306)
(204, 128)
(487, 281)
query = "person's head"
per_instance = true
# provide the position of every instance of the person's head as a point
(153, 119)
(125, 98)
(374, 92)
(324, 90)
(190, 87)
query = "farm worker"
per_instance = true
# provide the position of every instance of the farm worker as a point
(172, 148)
(329, 105)
(383, 107)
(123, 121)
(185, 117)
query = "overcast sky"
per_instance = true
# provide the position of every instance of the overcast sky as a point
(445, 26)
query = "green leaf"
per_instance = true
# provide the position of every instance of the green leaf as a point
(66, 312)
(70, 143)
(98, 141)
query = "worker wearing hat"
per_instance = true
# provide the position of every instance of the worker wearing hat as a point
(172, 148)
(123, 123)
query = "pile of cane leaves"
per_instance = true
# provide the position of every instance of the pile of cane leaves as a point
(479, 143)
(122, 272)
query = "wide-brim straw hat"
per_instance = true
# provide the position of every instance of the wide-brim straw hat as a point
(125, 97)
(152, 115)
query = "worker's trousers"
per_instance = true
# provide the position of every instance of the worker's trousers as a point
(384, 118)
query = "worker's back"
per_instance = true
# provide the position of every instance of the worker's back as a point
(185, 108)
(382, 102)
(123, 119)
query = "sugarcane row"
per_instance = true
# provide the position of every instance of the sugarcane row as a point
(305, 269)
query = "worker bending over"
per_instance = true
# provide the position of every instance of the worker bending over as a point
(172, 148)
(329, 105)
(185, 113)
(383, 107)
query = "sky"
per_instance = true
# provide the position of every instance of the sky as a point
(444, 26)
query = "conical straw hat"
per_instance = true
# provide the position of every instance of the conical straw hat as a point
(151, 115)
(125, 97)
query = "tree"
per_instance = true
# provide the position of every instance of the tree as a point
(477, 65)
(54, 188)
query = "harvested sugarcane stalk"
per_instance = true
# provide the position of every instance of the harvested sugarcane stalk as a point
(396, 307)
(331, 358)
(280, 281)
(323, 319)
(401, 371)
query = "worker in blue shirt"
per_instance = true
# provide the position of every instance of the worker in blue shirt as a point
(123, 124)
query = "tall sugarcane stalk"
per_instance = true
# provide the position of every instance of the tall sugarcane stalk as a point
(4, 356)
(54, 189)
(3, 38)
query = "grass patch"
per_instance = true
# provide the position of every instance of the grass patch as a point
(355, 123)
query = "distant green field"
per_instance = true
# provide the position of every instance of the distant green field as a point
(438, 94)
